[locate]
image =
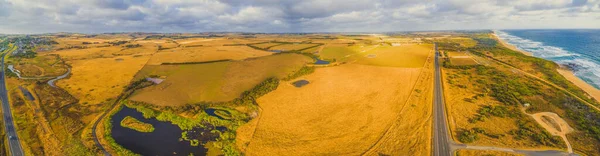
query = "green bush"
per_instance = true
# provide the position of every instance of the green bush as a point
(305, 70)
(468, 136)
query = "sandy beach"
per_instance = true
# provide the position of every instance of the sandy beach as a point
(591, 90)
(510, 46)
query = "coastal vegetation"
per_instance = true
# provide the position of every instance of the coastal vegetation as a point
(136, 124)
(499, 92)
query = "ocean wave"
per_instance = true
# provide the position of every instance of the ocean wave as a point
(536, 48)
(585, 68)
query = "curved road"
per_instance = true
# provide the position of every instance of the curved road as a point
(51, 82)
(442, 143)
(14, 143)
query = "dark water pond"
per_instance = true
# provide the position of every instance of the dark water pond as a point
(300, 83)
(321, 62)
(163, 141)
(211, 112)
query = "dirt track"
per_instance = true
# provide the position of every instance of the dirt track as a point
(553, 124)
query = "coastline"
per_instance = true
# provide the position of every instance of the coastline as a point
(568, 74)
(510, 46)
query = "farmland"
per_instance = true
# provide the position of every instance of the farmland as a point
(285, 94)
(214, 82)
(330, 102)
(409, 56)
(202, 54)
(204, 84)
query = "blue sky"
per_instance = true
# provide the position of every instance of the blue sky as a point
(96, 16)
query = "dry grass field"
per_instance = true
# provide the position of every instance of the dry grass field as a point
(266, 45)
(214, 82)
(95, 80)
(40, 66)
(201, 54)
(411, 132)
(337, 52)
(409, 56)
(344, 110)
(463, 41)
(463, 106)
(461, 59)
(89, 53)
(290, 47)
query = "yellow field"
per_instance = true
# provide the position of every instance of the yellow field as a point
(77, 54)
(114, 75)
(463, 61)
(290, 47)
(201, 54)
(464, 42)
(337, 52)
(214, 82)
(457, 54)
(461, 58)
(411, 132)
(344, 110)
(196, 40)
(410, 56)
(266, 45)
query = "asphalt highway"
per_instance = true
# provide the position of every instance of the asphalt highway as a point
(441, 144)
(14, 143)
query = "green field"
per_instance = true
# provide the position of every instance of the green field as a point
(213, 82)
(337, 52)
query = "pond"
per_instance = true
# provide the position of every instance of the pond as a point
(321, 62)
(163, 141)
(275, 51)
(218, 113)
(300, 83)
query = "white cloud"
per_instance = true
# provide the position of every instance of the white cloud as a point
(38, 16)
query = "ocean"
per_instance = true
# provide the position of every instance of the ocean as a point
(577, 49)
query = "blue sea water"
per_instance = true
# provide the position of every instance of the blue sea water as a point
(579, 49)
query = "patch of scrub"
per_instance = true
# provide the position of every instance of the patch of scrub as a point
(135, 124)
(221, 114)
(300, 83)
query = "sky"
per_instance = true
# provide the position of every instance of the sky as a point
(273, 16)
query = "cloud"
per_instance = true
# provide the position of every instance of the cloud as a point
(40, 16)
